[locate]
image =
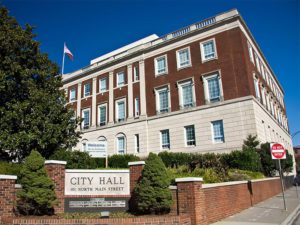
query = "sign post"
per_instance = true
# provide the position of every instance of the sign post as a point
(278, 152)
(98, 150)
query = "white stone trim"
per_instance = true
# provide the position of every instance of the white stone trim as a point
(137, 163)
(189, 179)
(265, 179)
(8, 177)
(56, 162)
(172, 187)
(223, 184)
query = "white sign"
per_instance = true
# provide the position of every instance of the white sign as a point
(97, 149)
(97, 182)
(277, 151)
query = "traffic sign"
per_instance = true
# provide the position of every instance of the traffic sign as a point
(277, 151)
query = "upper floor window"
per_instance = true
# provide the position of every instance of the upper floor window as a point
(218, 131)
(136, 107)
(161, 65)
(137, 143)
(120, 110)
(103, 85)
(257, 62)
(186, 94)
(183, 58)
(102, 111)
(136, 73)
(212, 88)
(87, 90)
(165, 139)
(120, 79)
(263, 96)
(121, 144)
(256, 86)
(208, 50)
(86, 118)
(72, 94)
(162, 100)
(190, 138)
(250, 49)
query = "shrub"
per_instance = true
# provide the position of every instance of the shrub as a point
(171, 159)
(37, 196)
(152, 193)
(236, 175)
(75, 159)
(10, 168)
(121, 161)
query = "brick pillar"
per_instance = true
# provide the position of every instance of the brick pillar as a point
(7, 196)
(191, 199)
(135, 171)
(56, 171)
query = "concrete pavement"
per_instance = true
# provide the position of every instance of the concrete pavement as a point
(269, 212)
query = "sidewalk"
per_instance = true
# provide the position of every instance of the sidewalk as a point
(269, 212)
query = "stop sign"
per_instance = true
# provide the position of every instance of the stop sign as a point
(277, 151)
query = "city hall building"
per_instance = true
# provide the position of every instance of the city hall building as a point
(199, 89)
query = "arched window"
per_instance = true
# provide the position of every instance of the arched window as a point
(121, 143)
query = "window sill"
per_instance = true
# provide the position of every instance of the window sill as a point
(184, 67)
(161, 74)
(207, 60)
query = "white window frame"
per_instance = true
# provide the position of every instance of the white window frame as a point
(99, 115)
(213, 40)
(185, 136)
(84, 89)
(72, 90)
(161, 143)
(256, 88)
(100, 86)
(137, 146)
(157, 73)
(181, 84)
(136, 107)
(206, 91)
(136, 73)
(213, 134)
(250, 49)
(117, 110)
(157, 100)
(82, 116)
(178, 58)
(119, 73)
(257, 61)
(119, 136)
(263, 96)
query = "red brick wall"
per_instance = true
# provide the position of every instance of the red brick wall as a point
(7, 197)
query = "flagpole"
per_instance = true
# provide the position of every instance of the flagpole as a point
(63, 62)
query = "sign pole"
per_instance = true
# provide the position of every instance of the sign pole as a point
(280, 173)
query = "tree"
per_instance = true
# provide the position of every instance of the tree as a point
(33, 114)
(37, 196)
(251, 142)
(152, 192)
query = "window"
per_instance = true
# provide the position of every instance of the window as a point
(218, 132)
(161, 65)
(102, 115)
(162, 100)
(137, 107)
(208, 50)
(257, 62)
(137, 143)
(103, 85)
(86, 118)
(165, 139)
(190, 135)
(87, 90)
(186, 94)
(263, 72)
(72, 94)
(250, 52)
(212, 88)
(120, 79)
(263, 96)
(120, 110)
(121, 144)
(183, 58)
(136, 75)
(256, 86)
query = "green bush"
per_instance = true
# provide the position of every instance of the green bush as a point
(236, 175)
(75, 159)
(37, 196)
(121, 161)
(171, 159)
(10, 168)
(152, 193)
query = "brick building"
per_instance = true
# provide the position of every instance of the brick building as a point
(202, 88)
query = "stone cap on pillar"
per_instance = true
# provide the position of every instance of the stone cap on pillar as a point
(137, 163)
(56, 162)
(7, 177)
(189, 179)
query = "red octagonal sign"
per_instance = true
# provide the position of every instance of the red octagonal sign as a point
(277, 151)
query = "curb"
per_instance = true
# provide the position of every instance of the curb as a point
(291, 218)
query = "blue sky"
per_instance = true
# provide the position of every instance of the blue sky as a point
(93, 27)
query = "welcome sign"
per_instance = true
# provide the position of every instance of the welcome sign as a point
(97, 182)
